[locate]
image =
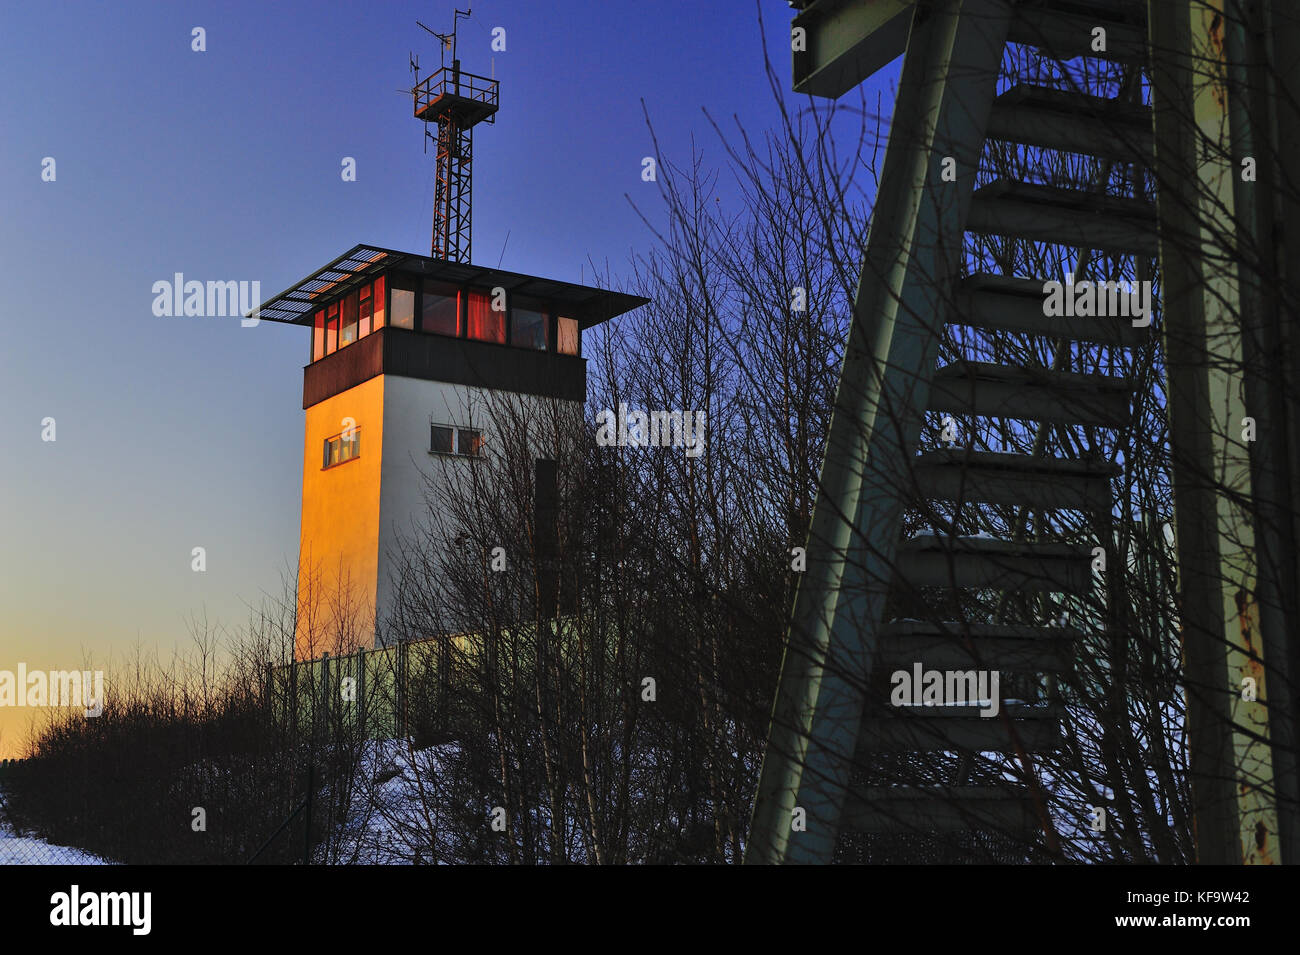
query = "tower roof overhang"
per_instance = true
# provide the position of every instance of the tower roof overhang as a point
(296, 305)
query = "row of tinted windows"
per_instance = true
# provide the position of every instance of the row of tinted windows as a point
(348, 319)
(440, 309)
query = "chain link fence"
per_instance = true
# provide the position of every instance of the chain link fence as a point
(23, 845)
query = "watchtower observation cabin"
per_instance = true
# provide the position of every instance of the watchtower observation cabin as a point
(405, 350)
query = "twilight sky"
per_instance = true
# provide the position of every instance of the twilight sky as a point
(180, 432)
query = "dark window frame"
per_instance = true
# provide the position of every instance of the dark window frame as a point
(456, 433)
(457, 291)
(332, 325)
(403, 282)
(505, 316)
(365, 310)
(537, 306)
(349, 317)
(577, 327)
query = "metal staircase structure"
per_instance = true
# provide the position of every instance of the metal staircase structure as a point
(902, 572)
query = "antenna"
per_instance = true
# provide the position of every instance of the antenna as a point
(447, 40)
(456, 101)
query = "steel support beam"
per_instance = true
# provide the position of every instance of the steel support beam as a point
(452, 191)
(946, 92)
(1233, 505)
(845, 41)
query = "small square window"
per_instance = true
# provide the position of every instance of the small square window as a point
(443, 439)
(469, 443)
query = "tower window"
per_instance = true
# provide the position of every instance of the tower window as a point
(367, 309)
(378, 318)
(567, 335)
(485, 324)
(348, 330)
(469, 443)
(401, 301)
(342, 448)
(444, 440)
(440, 308)
(462, 442)
(528, 328)
(318, 337)
(332, 329)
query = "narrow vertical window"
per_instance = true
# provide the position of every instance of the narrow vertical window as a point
(367, 309)
(402, 303)
(332, 329)
(378, 297)
(318, 337)
(348, 329)
(567, 336)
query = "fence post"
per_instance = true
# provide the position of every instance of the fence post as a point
(404, 658)
(306, 829)
(397, 691)
(293, 699)
(361, 692)
(325, 693)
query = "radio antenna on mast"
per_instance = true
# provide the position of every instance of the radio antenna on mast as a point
(456, 101)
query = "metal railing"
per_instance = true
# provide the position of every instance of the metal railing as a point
(451, 81)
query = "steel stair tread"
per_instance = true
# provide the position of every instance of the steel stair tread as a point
(1072, 122)
(1014, 304)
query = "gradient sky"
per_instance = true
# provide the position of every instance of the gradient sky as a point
(225, 165)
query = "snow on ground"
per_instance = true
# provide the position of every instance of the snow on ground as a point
(388, 821)
(27, 850)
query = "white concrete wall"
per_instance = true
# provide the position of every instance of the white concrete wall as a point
(411, 405)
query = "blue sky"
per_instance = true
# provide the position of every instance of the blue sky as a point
(225, 165)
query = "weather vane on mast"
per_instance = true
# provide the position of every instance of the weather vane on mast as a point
(456, 102)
